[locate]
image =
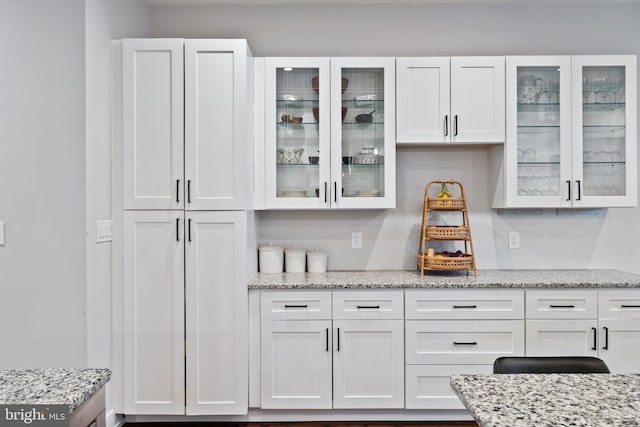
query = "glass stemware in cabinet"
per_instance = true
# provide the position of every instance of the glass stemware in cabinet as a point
(363, 132)
(297, 137)
(603, 130)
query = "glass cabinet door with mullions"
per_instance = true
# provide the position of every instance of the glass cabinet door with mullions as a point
(362, 130)
(538, 149)
(297, 133)
(604, 133)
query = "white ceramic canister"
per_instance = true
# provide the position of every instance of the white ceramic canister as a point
(294, 260)
(270, 259)
(316, 261)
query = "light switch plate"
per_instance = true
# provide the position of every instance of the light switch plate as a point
(356, 240)
(514, 240)
(1, 233)
(104, 231)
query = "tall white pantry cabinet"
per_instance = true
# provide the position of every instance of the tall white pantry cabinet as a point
(184, 242)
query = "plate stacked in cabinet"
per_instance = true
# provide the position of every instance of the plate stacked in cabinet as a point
(439, 206)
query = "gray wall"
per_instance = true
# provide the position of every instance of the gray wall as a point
(594, 239)
(42, 265)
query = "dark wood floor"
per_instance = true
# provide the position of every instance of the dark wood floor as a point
(311, 424)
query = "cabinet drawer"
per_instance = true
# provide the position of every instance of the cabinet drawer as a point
(619, 304)
(463, 304)
(562, 304)
(295, 305)
(429, 386)
(462, 341)
(362, 305)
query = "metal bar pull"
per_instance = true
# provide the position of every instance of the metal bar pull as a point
(189, 228)
(606, 338)
(629, 306)
(455, 125)
(465, 306)
(446, 125)
(578, 181)
(188, 191)
(177, 229)
(325, 191)
(562, 306)
(295, 306)
(368, 306)
(595, 343)
(569, 190)
(338, 339)
(335, 191)
(177, 191)
(465, 343)
(327, 340)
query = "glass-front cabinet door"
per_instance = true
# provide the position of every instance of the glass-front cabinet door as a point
(362, 132)
(604, 131)
(538, 148)
(297, 133)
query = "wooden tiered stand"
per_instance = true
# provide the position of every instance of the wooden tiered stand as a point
(432, 261)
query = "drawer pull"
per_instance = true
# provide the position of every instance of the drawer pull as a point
(629, 306)
(465, 343)
(562, 306)
(368, 306)
(606, 338)
(327, 344)
(295, 306)
(338, 334)
(595, 343)
(465, 306)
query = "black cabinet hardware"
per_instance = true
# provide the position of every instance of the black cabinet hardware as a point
(595, 343)
(562, 306)
(335, 191)
(569, 189)
(455, 125)
(606, 338)
(188, 191)
(325, 191)
(177, 191)
(578, 181)
(177, 229)
(465, 306)
(327, 343)
(465, 343)
(446, 125)
(295, 306)
(189, 228)
(629, 306)
(368, 306)
(338, 339)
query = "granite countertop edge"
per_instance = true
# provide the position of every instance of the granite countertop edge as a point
(56, 386)
(486, 279)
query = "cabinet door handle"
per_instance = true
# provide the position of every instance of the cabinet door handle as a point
(325, 191)
(455, 125)
(335, 191)
(465, 306)
(295, 306)
(629, 306)
(177, 191)
(177, 229)
(578, 181)
(465, 343)
(446, 125)
(189, 229)
(562, 306)
(338, 339)
(368, 306)
(595, 343)
(569, 190)
(327, 340)
(188, 191)
(606, 338)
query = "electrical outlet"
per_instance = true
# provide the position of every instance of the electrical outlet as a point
(356, 240)
(104, 231)
(514, 240)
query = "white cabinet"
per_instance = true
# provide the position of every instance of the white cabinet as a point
(153, 313)
(311, 359)
(180, 268)
(457, 331)
(600, 323)
(450, 100)
(186, 122)
(326, 138)
(571, 132)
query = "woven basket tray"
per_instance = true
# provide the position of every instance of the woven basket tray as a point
(445, 204)
(448, 233)
(447, 263)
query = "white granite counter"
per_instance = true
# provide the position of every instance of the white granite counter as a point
(413, 279)
(50, 386)
(551, 400)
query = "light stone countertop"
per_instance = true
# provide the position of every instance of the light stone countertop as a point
(72, 387)
(457, 279)
(551, 400)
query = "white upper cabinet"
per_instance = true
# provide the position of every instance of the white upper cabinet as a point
(153, 123)
(571, 132)
(186, 124)
(450, 100)
(327, 133)
(217, 124)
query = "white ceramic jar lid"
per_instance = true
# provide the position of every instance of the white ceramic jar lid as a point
(294, 251)
(316, 252)
(270, 248)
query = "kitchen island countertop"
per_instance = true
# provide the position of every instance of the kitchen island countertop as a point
(51, 386)
(550, 400)
(457, 279)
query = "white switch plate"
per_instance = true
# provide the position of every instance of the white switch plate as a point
(356, 240)
(514, 240)
(104, 231)
(1, 233)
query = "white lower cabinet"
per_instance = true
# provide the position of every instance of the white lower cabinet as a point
(603, 323)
